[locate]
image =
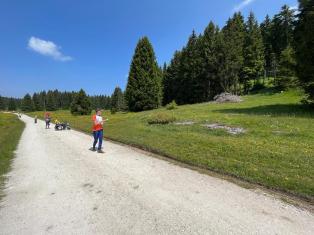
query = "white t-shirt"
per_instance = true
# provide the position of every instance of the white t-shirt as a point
(98, 119)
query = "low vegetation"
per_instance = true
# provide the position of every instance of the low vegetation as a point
(10, 131)
(276, 149)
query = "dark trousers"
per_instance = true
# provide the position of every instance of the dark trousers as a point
(98, 135)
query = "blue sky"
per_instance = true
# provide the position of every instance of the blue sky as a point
(68, 45)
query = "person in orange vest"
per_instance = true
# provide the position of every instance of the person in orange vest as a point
(98, 123)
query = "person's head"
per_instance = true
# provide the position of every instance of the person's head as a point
(98, 112)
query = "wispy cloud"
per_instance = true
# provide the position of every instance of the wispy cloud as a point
(295, 8)
(47, 48)
(242, 5)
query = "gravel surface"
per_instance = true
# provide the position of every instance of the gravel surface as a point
(58, 186)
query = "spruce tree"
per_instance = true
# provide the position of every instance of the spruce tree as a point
(117, 100)
(266, 31)
(253, 53)
(171, 80)
(232, 44)
(210, 63)
(143, 90)
(27, 104)
(81, 104)
(37, 102)
(282, 29)
(2, 103)
(50, 101)
(12, 104)
(304, 37)
(287, 69)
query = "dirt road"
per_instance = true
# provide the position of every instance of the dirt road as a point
(58, 186)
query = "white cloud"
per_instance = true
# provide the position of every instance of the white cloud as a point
(242, 5)
(296, 7)
(47, 48)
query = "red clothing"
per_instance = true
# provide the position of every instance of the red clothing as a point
(96, 127)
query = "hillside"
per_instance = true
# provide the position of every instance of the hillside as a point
(276, 149)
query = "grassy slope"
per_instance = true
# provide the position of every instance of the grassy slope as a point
(10, 131)
(277, 151)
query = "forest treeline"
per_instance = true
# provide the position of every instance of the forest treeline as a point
(237, 58)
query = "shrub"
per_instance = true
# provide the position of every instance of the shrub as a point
(172, 105)
(161, 118)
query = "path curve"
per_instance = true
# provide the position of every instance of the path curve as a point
(58, 186)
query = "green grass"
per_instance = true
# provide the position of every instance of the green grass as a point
(11, 129)
(277, 150)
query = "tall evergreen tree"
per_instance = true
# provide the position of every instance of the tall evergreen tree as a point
(171, 79)
(232, 44)
(287, 69)
(12, 104)
(50, 101)
(211, 53)
(81, 104)
(253, 52)
(304, 37)
(191, 90)
(27, 104)
(117, 100)
(282, 29)
(37, 103)
(2, 103)
(143, 90)
(266, 31)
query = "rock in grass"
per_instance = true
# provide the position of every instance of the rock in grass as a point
(227, 97)
(231, 130)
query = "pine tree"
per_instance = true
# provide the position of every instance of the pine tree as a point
(287, 65)
(27, 104)
(81, 104)
(171, 80)
(117, 100)
(282, 29)
(50, 101)
(12, 104)
(253, 53)
(210, 56)
(191, 90)
(304, 37)
(143, 90)
(266, 31)
(2, 103)
(37, 103)
(231, 46)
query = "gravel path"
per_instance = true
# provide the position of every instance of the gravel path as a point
(58, 186)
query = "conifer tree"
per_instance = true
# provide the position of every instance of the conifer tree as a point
(253, 53)
(50, 101)
(143, 90)
(232, 45)
(81, 104)
(117, 100)
(304, 37)
(2, 103)
(12, 104)
(266, 31)
(37, 103)
(27, 104)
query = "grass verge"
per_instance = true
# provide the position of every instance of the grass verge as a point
(11, 129)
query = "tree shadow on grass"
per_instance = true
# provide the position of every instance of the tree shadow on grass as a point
(293, 110)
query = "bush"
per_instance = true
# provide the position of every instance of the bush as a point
(161, 118)
(285, 83)
(172, 105)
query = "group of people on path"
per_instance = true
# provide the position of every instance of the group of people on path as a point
(97, 129)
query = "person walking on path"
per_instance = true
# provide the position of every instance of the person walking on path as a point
(47, 120)
(35, 119)
(97, 131)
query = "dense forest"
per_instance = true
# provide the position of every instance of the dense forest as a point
(237, 58)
